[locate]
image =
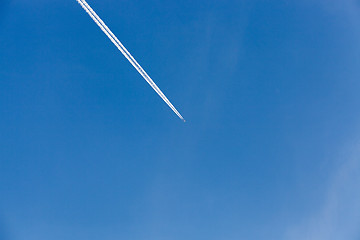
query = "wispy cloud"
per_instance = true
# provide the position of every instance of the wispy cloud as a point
(339, 216)
(347, 8)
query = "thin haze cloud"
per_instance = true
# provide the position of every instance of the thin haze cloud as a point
(339, 215)
(126, 53)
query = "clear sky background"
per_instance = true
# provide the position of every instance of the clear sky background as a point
(270, 149)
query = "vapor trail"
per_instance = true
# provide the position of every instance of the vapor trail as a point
(125, 52)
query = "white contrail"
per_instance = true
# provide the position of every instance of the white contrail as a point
(125, 52)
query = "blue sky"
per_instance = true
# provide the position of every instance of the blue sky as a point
(270, 92)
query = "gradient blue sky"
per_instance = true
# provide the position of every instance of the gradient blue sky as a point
(270, 91)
